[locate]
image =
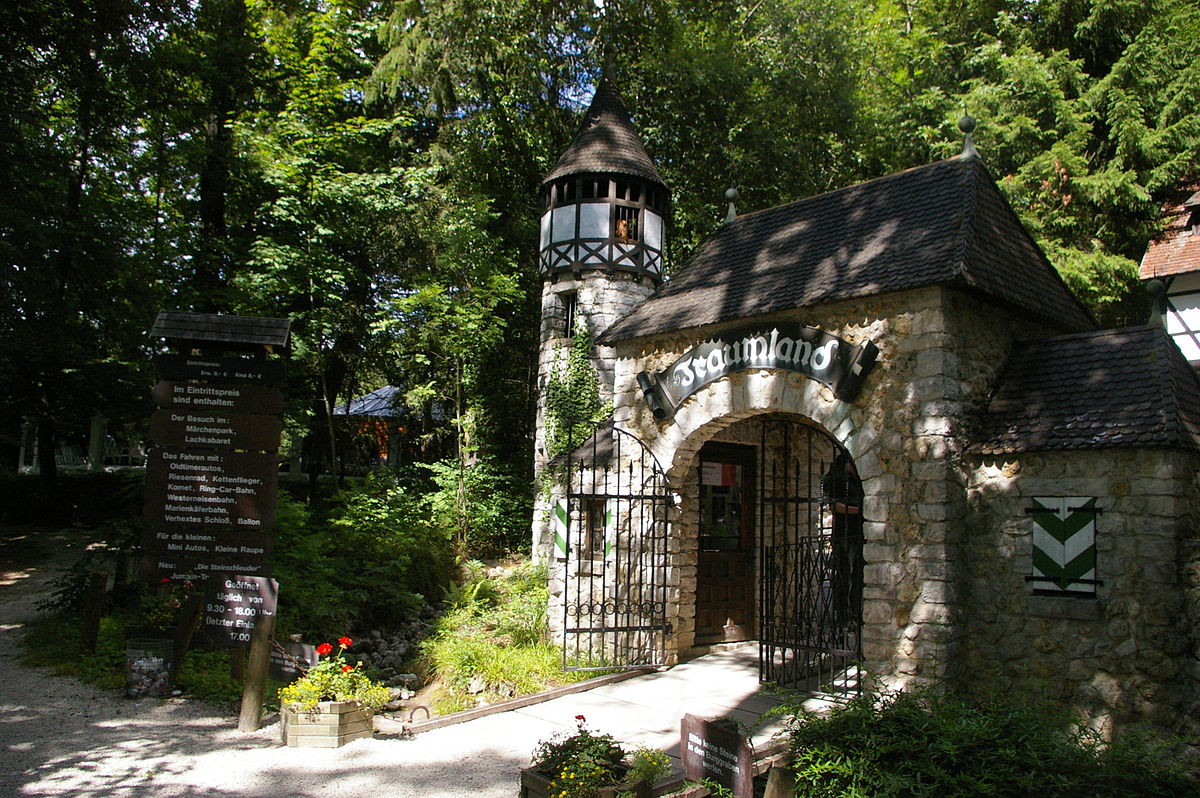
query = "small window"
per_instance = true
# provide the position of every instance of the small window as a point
(625, 229)
(595, 525)
(569, 299)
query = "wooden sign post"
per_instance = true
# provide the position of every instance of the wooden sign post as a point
(211, 478)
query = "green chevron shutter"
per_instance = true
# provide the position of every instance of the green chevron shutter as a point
(1064, 545)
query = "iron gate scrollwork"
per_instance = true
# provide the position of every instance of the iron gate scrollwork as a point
(810, 537)
(612, 541)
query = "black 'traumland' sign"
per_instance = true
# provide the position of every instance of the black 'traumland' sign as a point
(814, 353)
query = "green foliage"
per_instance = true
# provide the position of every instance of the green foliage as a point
(333, 679)
(648, 765)
(370, 560)
(908, 744)
(573, 397)
(493, 638)
(485, 510)
(53, 641)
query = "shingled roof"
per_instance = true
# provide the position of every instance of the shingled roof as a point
(945, 223)
(1176, 250)
(606, 143)
(1112, 388)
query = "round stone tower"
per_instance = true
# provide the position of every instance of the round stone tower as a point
(601, 249)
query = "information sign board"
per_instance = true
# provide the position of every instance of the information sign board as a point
(292, 662)
(224, 370)
(222, 488)
(204, 430)
(232, 605)
(206, 397)
(715, 750)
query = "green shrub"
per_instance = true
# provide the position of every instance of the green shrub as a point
(489, 517)
(370, 560)
(918, 744)
(495, 637)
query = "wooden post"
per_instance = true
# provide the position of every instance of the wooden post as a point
(189, 615)
(780, 784)
(255, 686)
(96, 590)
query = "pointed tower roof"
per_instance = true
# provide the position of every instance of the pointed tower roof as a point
(606, 143)
(946, 223)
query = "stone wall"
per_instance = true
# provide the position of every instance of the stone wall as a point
(940, 352)
(1126, 656)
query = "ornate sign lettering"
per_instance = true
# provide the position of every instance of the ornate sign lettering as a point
(817, 354)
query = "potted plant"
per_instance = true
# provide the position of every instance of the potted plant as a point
(332, 704)
(582, 764)
(647, 766)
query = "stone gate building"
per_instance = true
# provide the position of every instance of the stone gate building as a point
(871, 430)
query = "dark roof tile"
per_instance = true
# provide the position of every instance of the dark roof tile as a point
(1113, 388)
(606, 143)
(945, 223)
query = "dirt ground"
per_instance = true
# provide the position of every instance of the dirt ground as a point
(63, 738)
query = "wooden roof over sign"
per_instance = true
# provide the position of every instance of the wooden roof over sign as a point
(220, 331)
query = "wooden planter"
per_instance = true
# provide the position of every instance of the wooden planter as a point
(331, 724)
(535, 784)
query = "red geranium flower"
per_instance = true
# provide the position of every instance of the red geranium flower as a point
(580, 717)
(347, 668)
(345, 642)
(324, 649)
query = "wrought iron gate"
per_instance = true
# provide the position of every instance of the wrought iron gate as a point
(810, 538)
(611, 535)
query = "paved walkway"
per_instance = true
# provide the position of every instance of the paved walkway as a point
(645, 710)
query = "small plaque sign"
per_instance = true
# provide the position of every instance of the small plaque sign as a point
(292, 662)
(224, 370)
(211, 397)
(233, 603)
(715, 750)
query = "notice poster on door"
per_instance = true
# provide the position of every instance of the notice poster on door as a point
(723, 475)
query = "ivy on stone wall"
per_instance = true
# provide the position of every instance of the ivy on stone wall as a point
(573, 396)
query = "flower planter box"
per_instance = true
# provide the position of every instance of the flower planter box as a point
(535, 784)
(331, 725)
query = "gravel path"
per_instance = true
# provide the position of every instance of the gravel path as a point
(60, 737)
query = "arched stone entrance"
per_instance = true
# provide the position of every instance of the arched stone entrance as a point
(770, 541)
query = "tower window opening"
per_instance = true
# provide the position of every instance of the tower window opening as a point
(626, 225)
(595, 189)
(635, 192)
(569, 303)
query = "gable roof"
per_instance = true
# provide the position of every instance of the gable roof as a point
(1176, 250)
(944, 223)
(606, 142)
(1112, 388)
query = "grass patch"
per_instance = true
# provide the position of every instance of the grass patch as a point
(921, 745)
(493, 642)
(53, 641)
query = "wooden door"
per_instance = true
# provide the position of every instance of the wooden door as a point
(725, 580)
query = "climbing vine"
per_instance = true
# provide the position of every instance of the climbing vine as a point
(573, 396)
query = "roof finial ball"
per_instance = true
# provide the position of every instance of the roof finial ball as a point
(731, 194)
(967, 125)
